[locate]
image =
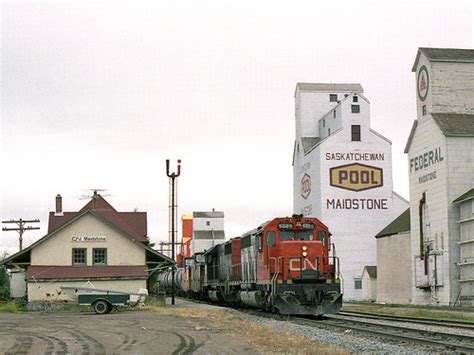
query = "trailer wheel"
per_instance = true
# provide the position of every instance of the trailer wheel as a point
(102, 307)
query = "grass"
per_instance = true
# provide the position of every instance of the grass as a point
(152, 301)
(11, 307)
(70, 308)
(17, 307)
(264, 338)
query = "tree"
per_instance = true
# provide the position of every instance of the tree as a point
(4, 280)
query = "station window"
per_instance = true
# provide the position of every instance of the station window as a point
(100, 256)
(355, 99)
(332, 97)
(355, 133)
(334, 114)
(329, 131)
(358, 283)
(355, 108)
(324, 123)
(79, 256)
(423, 110)
(208, 223)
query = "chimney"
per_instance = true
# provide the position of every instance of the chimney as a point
(59, 206)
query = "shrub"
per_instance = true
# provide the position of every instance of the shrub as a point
(11, 307)
(4, 281)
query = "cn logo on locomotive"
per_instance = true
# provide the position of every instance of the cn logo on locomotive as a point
(307, 265)
(356, 177)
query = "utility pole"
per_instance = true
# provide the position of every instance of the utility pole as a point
(21, 227)
(173, 206)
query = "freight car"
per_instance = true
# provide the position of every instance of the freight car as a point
(287, 265)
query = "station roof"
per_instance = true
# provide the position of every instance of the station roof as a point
(466, 196)
(85, 272)
(134, 223)
(445, 55)
(399, 225)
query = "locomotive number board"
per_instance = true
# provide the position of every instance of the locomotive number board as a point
(285, 226)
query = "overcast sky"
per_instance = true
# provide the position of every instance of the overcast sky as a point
(99, 95)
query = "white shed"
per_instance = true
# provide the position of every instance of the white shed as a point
(369, 283)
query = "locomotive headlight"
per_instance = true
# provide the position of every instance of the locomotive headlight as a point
(305, 254)
(304, 248)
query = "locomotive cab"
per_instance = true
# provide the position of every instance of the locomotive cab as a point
(304, 277)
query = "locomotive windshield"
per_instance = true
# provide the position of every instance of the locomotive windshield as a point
(293, 235)
(305, 235)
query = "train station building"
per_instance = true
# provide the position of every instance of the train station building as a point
(342, 174)
(97, 247)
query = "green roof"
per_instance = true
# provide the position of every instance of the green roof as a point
(309, 142)
(455, 124)
(330, 87)
(466, 196)
(399, 225)
(450, 124)
(445, 55)
(372, 271)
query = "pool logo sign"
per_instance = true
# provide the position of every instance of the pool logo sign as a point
(356, 177)
(305, 186)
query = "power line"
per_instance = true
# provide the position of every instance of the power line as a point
(21, 227)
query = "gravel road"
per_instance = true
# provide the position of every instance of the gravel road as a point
(187, 328)
(124, 332)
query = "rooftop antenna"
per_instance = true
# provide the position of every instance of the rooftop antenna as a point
(94, 194)
(173, 207)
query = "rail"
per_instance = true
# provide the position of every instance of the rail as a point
(416, 320)
(451, 341)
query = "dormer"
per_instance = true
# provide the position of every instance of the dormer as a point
(351, 113)
(314, 100)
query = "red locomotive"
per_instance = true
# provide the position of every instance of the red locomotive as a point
(285, 265)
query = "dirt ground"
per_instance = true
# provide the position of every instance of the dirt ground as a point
(138, 332)
(186, 328)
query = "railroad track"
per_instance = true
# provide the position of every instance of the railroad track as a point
(427, 321)
(402, 333)
(435, 339)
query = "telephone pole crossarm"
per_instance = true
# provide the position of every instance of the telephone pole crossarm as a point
(21, 227)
